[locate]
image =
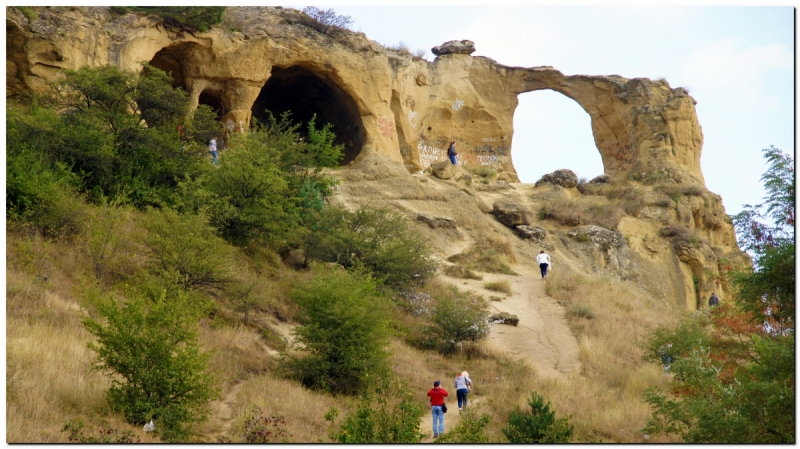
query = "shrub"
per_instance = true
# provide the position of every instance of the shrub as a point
(469, 430)
(104, 237)
(105, 435)
(261, 429)
(457, 317)
(457, 271)
(500, 286)
(343, 331)
(377, 238)
(28, 12)
(581, 311)
(537, 426)
(323, 19)
(375, 420)
(199, 18)
(150, 350)
(484, 171)
(186, 245)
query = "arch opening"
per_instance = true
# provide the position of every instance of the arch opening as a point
(171, 60)
(551, 132)
(303, 93)
(213, 100)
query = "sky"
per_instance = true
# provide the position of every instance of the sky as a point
(737, 62)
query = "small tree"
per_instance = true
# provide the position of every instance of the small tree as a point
(328, 18)
(375, 420)
(150, 350)
(343, 331)
(469, 430)
(458, 317)
(540, 425)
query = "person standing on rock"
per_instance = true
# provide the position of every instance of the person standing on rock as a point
(544, 261)
(437, 395)
(713, 300)
(462, 384)
(451, 153)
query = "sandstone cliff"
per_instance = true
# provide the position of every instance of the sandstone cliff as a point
(395, 114)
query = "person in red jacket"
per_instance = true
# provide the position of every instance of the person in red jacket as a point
(437, 395)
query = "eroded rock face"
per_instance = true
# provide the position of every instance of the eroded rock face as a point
(379, 100)
(511, 214)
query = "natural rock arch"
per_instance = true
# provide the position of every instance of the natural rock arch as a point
(304, 93)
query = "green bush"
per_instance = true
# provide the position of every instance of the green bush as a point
(377, 238)
(457, 317)
(149, 348)
(469, 430)
(343, 331)
(376, 420)
(199, 18)
(540, 425)
(186, 246)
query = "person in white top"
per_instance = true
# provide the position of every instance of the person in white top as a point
(544, 261)
(212, 148)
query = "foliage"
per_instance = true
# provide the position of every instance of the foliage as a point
(105, 435)
(186, 245)
(375, 420)
(326, 18)
(734, 379)
(377, 238)
(540, 425)
(343, 331)
(261, 429)
(199, 18)
(104, 237)
(150, 350)
(457, 317)
(469, 430)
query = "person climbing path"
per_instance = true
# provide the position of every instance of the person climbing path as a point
(463, 384)
(544, 261)
(437, 395)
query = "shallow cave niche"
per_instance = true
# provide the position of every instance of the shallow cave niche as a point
(213, 100)
(303, 93)
(171, 60)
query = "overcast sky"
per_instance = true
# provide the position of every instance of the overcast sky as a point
(736, 61)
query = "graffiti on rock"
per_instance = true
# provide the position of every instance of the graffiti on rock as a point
(429, 154)
(413, 118)
(386, 126)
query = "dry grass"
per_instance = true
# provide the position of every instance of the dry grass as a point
(582, 211)
(489, 255)
(500, 286)
(459, 272)
(614, 376)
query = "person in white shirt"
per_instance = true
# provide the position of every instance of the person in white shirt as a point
(544, 261)
(212, 148)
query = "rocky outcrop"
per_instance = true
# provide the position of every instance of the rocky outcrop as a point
(464, 47)
(564, 178)
(511, 214)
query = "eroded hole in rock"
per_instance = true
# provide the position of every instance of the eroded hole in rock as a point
(300, 91)
(172, 60)
(213, 100)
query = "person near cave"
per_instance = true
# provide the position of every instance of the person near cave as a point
(212, 148)
(451, 152)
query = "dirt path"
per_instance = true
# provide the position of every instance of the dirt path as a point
(542, 337)
(451, 418)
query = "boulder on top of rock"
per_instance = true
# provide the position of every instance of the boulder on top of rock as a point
(463, 47)
(504, 318)
(606, 238)
(511, 214)
(444, 170)
(564, 178)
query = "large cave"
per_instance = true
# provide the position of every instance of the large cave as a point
(300, 91)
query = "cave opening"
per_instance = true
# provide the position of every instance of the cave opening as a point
(171, 60)
(303, 93)
(213, 100)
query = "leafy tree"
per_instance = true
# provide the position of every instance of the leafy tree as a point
(150, 350)
(540, 425)
(457, 317)
(376, 420)
(734, 381)
(343, 332)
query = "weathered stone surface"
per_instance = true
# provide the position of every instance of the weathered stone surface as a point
(437, 222)
(504, 318)
(601, 179)
(535, 234)
(603, 237)
(464, 47)
(564, 178)
(507, 177)
(511, 214)
(444, 170)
